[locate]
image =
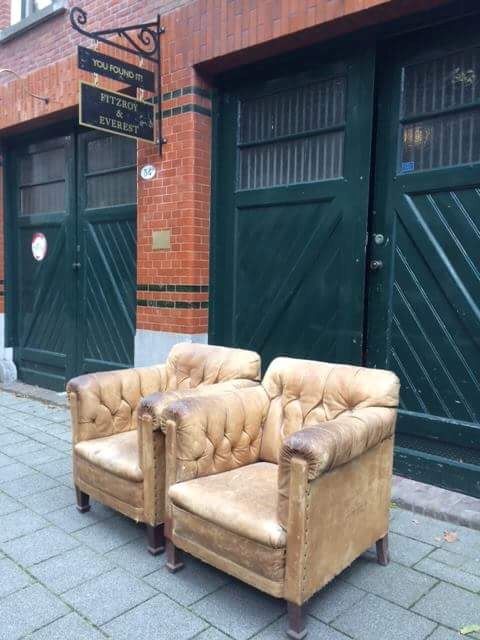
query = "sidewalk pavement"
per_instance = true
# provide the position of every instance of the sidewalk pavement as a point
(71, 576)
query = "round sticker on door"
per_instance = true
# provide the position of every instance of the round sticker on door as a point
(39, 246)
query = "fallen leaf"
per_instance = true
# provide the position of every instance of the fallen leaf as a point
(469, 628)
(450, 536)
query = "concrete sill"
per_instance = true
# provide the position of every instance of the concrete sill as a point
(16, 30)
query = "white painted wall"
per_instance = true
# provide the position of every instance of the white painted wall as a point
(153, 347)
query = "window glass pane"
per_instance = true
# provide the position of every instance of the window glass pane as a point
(110, 152)
(112, 188)
(444, 141)
(296, 111)
(43, 166)
(309, 159)
(444, 83)
(287, 138)
(42, 198)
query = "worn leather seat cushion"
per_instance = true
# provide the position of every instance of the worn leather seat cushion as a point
(242, 501)
(117, 454)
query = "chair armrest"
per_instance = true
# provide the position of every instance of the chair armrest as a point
(102, 404)
(215, 432)
(330, 444)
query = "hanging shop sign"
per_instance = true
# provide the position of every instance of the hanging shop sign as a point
(135, 76)
(39, 246)
(116, 113)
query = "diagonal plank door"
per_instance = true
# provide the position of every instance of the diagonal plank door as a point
(290, 216)
(424, 305)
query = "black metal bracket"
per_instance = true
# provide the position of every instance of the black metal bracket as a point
(141, 39)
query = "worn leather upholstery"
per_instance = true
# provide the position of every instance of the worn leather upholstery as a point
(319, 437)
(115, 438)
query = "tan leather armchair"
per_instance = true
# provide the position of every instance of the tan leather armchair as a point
(119, 460)
(283, 485)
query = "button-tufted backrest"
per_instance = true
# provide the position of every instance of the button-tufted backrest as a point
(304, 393)
(192, 365)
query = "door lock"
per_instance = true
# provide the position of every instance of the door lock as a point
(378, 238)
(376, 265)
(76, 265)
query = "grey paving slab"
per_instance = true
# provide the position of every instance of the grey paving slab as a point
(70, 519)
(195, 581)
(109, 534)
(28, 609)
(21, 427)
(70, 627)
(19, 523)
(109, 595)
(226, 610)
(4, 460)
(159, 618)
(396, 583)
(414, 525)
(135, 558)
(448, 558)
(376, 619)
(13, 471)
(441, 633)
(407, 551)
(11, 437)
(58, 467)
(449, 574)
(334, 599)
(38, 546)
(35, 458)
(211, 634)
(12, 578)
(315, 629)
(50, 500)
(8, 504)
(28, 485)
(67, 479)
(467, 543)
(450, 606)
(70, 569)
(19, 448)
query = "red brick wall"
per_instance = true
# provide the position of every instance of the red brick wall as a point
(4, 15)
(206, 35)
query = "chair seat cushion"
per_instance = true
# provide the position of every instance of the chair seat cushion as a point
(242, 501)
(117, 454)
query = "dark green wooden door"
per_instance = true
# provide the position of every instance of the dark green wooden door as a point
(73, 218)
(424, 313)
(293, 163)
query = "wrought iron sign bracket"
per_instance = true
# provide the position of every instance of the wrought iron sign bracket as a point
(140, 39)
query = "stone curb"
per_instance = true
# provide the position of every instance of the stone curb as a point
(436, 502)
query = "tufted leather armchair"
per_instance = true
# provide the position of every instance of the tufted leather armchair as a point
(119, 460)
(284, 484)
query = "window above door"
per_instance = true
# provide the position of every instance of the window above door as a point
(27, 14)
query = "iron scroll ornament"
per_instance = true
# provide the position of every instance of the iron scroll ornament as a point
(144, 43)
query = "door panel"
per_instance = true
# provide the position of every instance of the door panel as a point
(424, 314)
(291, 206)
(44, 206)
(76, 307)
(107, 222)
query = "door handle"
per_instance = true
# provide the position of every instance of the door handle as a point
(376, 265)
(76, 265)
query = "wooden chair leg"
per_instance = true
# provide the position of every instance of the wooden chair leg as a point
(173, 563)
(83, 501)
(296, 623)
(155, 539)
(383, 557)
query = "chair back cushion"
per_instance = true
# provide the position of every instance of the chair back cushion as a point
(191, 365)
(304, 393)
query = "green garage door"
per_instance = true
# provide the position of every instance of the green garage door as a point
(73, 217)
(291, 203)
(424, 305)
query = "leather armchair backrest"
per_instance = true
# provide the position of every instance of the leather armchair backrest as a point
(192, 365)
(106, 402)
(304, 393)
